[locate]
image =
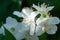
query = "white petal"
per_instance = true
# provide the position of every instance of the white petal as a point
(53, 20)
(19, 35)
(27, 11)
(11, 21)
(22, 27)
(17, 13)
(41, 20)
(8, 27)
(19, 32)
(2, 30)
(32, 29)
(52, 30)
(39, 30)
(43, 8)
(50, 8)
(36, 7)
(38, 21)
(34, 14)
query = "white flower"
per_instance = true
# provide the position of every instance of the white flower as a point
(29, 18)
(17, 29)
(17, 13)
(47, 24)
(2, 31)
(43, 9)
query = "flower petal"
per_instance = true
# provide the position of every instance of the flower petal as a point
(39, 30)
(27, 11)
(11, 22)
(36, 7)
(2, 30)
(20, 30)
(50, 8)
(17, 13)
(41, 20)
(52, 30)
(19, 35)
(34, 14)
(32, 29)
(21, 27)
(53, 20)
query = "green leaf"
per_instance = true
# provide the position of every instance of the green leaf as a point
(0, 24)
(9, 36)
(7, 7)
(37, 17)
(2, 37)
(3, 8)
(43, 37)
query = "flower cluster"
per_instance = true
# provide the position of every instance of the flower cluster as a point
(29, 28)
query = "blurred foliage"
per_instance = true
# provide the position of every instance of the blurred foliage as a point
(43, 37)
(2, 37)
(37, 17)
(8, 6)
(9, 36)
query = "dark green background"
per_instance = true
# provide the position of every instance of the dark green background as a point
(8, 6)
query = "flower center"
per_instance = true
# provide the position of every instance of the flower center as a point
(46, 27)
(29, 21)
(12, 29)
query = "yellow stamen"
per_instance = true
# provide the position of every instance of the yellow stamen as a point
(49, 13)
(44, 5)
(12, 29)
(43, 29)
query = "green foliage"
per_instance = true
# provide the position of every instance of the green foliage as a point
(3, 8)
(37, 17)
(9, 36)
(2, 37)
(0, 24)
(43, 37)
